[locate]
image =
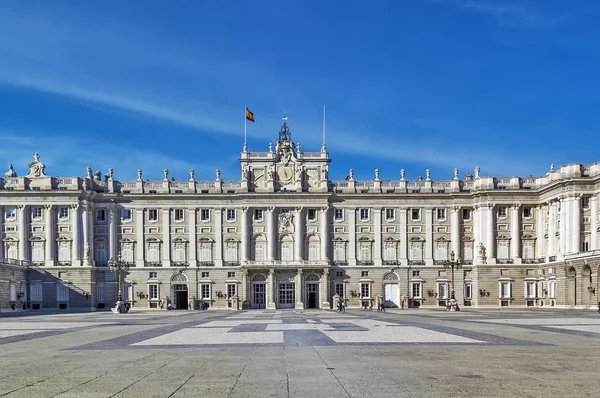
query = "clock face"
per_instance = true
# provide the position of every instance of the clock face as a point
(285, 174)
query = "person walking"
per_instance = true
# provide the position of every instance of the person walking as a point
(402, 304)
(598, 306)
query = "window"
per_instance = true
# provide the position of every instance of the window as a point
(62, 292)
(101, 215)
(503, 246)
(502, 211)
(36, 291)
(389, 251)
(126, 214)
(339, 273)
(339, 289)
(313, 251)
(153, 292)
(100, 295)
(364, 214)
(127, 252)
(179, 255)
(64, 252)
(37, 212)
(37, 252)
(466, 213)
(284, 211)
(231, 288)
(390, 214)
(364, 254)
(101, 253)
(312, 214)
(231, 274)
(552, 289)
(585, 203)
(585, 246)
(152, 274)
(206, 252)
(415, 214)
(530, 289)
(338, 214)
(178, 214)
(230, 214)
(468, 251)
(441, 251)
(260, 251)
(365, 290)
(258, 215)
(339, 251)
(11, 213)
(205, 291)
(205, 214)
(416, 290)
(153, 252)
(416, 273)
(416, 251)
(468, 291)
(63, 212)
(442, 291)
(364, 273)
(205, 274)
(505, 290)
(287, 251)
(528, 250)
(527, 213)
(231, 252)
(441, 214)
(153, 215)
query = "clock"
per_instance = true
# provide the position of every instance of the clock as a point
(285, 173)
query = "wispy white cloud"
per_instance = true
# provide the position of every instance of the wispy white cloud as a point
(511, 15)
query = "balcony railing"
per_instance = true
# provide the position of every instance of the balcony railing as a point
(552, 259)
(206, 263)
(231, 263)
(541, 260)
(467, 262)
(365, 262)
(152, 264)
(416, 262)
(64, 263)
(37, 263)
(180, 264)
(530, 261)
(505, 261)
(439, 262)
(391, 262)
(340, 262)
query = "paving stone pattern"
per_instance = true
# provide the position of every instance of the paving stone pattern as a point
(411, 353)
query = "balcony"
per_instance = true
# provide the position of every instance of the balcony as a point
(467, 262)
(340, 262)
(64, 264)
(391, 262)
(206, 263)
(152, 264)
(180, 264)
(551, 259)
(416, 262)
(439, 262)
(364, 262)
(231, 263)
(37, 263)
(504, 261)
(530, 261)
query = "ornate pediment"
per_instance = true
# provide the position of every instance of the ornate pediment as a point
(36, 168)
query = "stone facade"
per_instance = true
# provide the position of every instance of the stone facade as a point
(285, 236)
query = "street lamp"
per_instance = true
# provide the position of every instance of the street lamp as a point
(118, 266)
(453, 264)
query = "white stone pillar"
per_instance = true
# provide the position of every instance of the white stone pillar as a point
(218, 213)
(271, 238)
(76, 234)
(576, 228)
(490, 234)
(551, 250)
(245, 235)
(299, 301)
(193, 246)
(325, 283)
(140, 244)
(594, 221)
(22, 216)
(50, 235)
(271, 289)
(166, 246)
(351, 236)
(85, 227)
(403, 236)
(429, 236)
(90, 227)
(324, 233)
(515, 233)
(113, 250)
(476, 220)
(539, 228)
(455, 231)
(298, 234)
(563, 226)
(377, 244)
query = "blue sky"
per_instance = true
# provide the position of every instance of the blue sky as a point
(511, 86)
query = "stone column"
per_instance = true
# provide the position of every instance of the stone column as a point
(22, 216)
(539, 229)
(490, 235)
(299, 301)
(245, 238)
(244, 292)
(85, 227)
(113, 250)
(76, 234)
(50, 235)
(271, 289)
(166, 246)
(576, 228)
(324, 233)
(271, 238)
(563, 226)
(455, 231)
(140, 244)
(299, 234)
(325, 282)
(429, 236)
(476, 216)
(351, 236)
(594, 221)
(515, 233)
(218, 213)
(1, 232)
(377, 243)
(193, 246)
(551, 250)
(403, 236)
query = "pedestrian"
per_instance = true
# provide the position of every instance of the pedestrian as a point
(343, 305)
(162, 305)
(402, 304)
(382, 306)
(598, 306)
(371, 306)
(378, 306)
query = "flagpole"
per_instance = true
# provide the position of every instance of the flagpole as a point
(323, 148)
(245, 122)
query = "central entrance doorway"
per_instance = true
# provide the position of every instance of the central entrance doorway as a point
(312, 295)
(181, 297)
(286, 295)
(258, 295)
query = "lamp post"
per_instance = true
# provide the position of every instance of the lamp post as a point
(453, 264)
(118, 266)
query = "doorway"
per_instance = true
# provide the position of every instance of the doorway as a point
(571, 287)
(287, 295)
(391, 295)
(181, 297)
(312, 295)
(258, 295)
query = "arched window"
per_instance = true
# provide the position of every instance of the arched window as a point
(287, 248)
(260, 248)
(313, 246)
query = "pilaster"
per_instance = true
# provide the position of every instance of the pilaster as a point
(551, 249)
(166, 246)
(403, 235)
(324, 233)
(271, 238)
(377, 244)
(455, 230)
(23, 232)
(50, 235)
(218, 214)
(76, 234)
(490, 235)
(298, 234)
(245, 235)
(113, 251)
(515, 231)
(85, 227)
(270, 289)
(429, 236)
(351, 235)
(193, 246)
(299, 302)
(325, 304)
(594, 222)
(140, 244)
(539, 228)
(576, 226)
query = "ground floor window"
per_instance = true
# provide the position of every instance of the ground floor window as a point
(365, 290)
(153, 292)
(442, 290)
(530, 290)
(205, 291)
(62, 292)
(552, 289)
(505, 290)
(100, 292)
(36, 291)
(287, 293)
(468, 291)
(416, 290)
(231, 290)
(339, 289)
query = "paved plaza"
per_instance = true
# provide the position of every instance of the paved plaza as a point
(313, 353)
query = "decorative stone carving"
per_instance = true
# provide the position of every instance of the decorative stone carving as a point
(285, 222)
(270, 147)
(89, 173)
(477, 171)
(428, 175)
(166, 175)
(98, 176)
(110, 174)
(36, 168)
(218, 175)
(456, 173)
(192, 173)
(139, 175)
(244, 173)
(298, 172)
(324, 176)
(298, 147)
(271, 173)
(351, 177)
(481, 250)
(376, 174)
(402, 173)
(11, 171)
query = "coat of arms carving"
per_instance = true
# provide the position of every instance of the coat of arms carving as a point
(285, 222)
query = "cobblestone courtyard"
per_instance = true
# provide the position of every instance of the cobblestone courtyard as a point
(301, 354)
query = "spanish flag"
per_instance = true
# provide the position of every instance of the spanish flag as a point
(249, 115)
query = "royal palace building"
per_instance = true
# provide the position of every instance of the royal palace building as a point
(285, 236)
